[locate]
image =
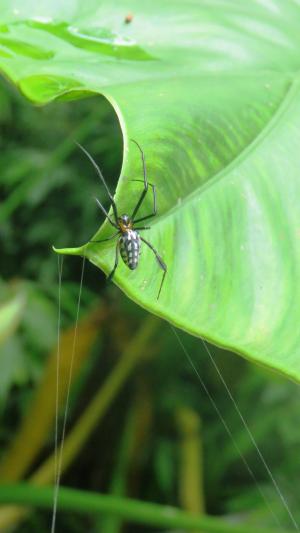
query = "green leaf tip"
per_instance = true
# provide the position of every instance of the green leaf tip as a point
(69, 251)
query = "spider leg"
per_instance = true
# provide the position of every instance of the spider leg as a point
(114, 207)
(161, 263)
(154, 202)
(142, 228)
(108, 238)
(106, 213)
(144, 192)
(111, 275)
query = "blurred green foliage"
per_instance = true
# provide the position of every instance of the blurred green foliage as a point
(137, 450)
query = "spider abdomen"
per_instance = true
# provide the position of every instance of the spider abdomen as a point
(130, 248)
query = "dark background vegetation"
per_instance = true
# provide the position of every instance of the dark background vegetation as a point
(160, 436)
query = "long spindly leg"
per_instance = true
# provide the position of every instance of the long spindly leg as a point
(114, 207)
(144, 192)
(109, 238)
(161, 263)
(111, 275)
(106, 213)
(154, 203)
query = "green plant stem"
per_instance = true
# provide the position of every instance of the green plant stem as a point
(75, 440)
(133, 510)
(191, 490)
(29, 439)
(112, 523)
(102, 400)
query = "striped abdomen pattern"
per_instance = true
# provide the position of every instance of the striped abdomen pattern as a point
(130, 248)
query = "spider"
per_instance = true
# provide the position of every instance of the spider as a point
(129, 241)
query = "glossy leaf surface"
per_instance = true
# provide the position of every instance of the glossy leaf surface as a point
(210, 90)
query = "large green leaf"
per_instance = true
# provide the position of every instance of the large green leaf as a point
(210, 90)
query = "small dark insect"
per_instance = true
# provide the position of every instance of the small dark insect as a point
(129, 242)
(128, 18)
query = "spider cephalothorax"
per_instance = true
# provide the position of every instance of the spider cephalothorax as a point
(125, 223)
(129, 241)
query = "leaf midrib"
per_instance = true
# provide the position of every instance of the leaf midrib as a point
(201, 189)
(237, 160)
